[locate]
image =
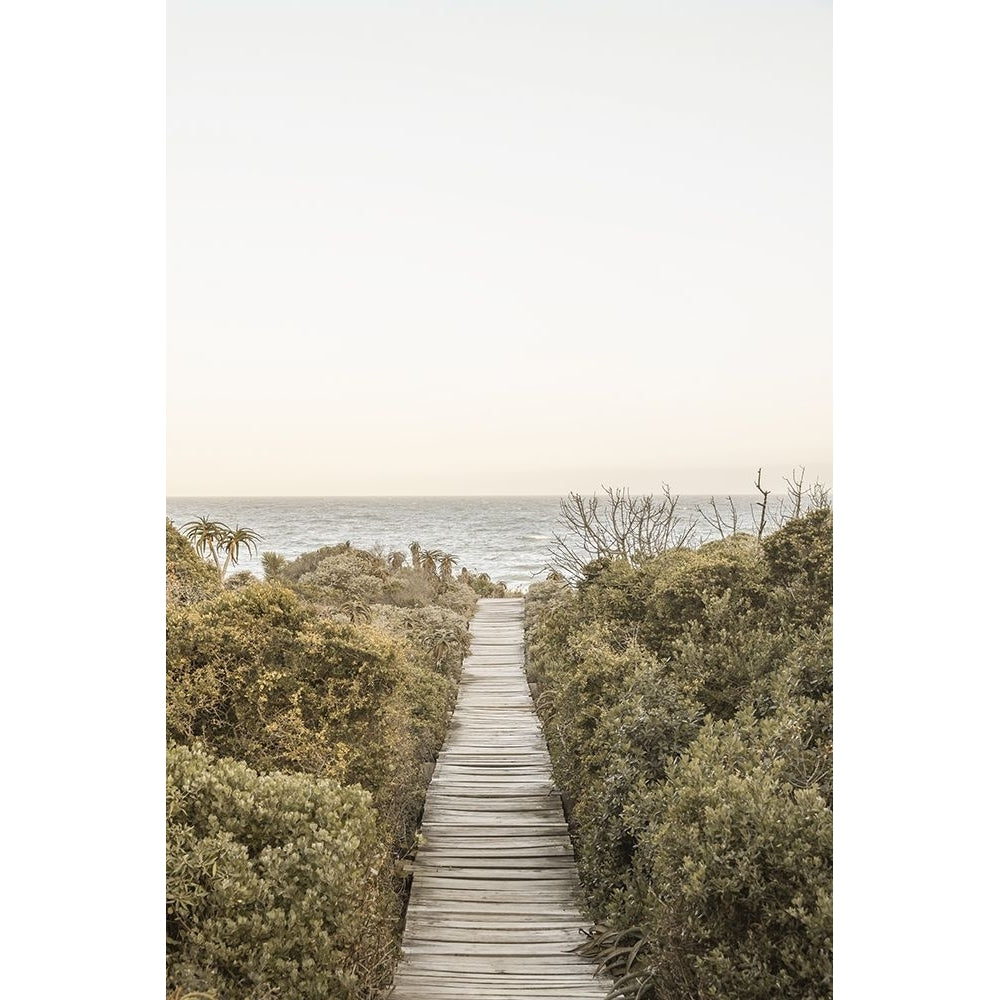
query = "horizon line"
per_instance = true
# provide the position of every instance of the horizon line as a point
(419, 496)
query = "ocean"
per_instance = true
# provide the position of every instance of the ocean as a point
(505, 536)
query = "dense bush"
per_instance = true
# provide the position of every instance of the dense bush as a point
(439, 636)
(189, 577)
(267, 875)
(622, 721)
(456, 596)
(260, 675)
(687, 701)
(683, 583)
(742, 867)
(353, 573)
(800, 567)
(482, 586)
(339, 576)
(302, 713)
(292, 570)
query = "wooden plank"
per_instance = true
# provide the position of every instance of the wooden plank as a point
(534, 936)
(521, 908)
(493, 909)
(447, 897)
(496, 988)
(451, 864)
(443, 841)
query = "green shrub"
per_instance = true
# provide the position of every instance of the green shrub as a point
(589, 683)
(740, 865)
(442, 637)
(275, 882)
(414, 722)
(551, 615)
(292, 570)
(352, 574)
(797, 698)
(189, 577)
(256, 674)
(720, 655)
(227, 658)
(636, 741)
(683, 582)
(800, 567)
(687, 702)
(413, 588)
(482, 585)
(615, 592)
(459, 597)
(240, 579)
(274, 567)
(427, 699)
(272, 677)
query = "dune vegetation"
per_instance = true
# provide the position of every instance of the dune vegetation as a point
(304, 712)
(686, 696)
(685, 692)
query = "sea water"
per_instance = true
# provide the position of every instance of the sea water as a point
(508, 537)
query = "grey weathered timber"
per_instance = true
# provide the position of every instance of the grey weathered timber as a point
(493, 911)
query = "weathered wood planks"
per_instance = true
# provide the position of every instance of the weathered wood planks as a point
(493, 912)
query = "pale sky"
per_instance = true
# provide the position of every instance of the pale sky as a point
(497, 247)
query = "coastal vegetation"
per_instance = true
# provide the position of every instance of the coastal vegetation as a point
(686, 695)
(221, 543)
(303, 712)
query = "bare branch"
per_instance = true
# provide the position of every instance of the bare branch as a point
(616, 525)
(762, 505)
(795, 490)
(727, 526)
(819, 496)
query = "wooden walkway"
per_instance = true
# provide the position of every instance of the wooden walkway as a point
(493, 907)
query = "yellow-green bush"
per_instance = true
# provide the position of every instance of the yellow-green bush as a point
(742, 865)
(323, 707)
(273, 883)
(351, 574)
(439, 636)
(800, 567)
(189, 577)
(413, 725)
(617, 724)
(256, 674)
(343, 578)
(457, 596)
(682, 584)
(687, 702)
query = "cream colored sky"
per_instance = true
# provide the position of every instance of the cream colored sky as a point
(485, 247)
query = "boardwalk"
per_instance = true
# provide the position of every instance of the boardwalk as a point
(493, 908)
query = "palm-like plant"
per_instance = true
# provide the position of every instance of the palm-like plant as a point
(205, 536)
(443, 641)
(428, 561)
(219, 542)
(446, 565)
(396, 560)
(273, 564)
(415, 552)
(232, 541)
(357, 610)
